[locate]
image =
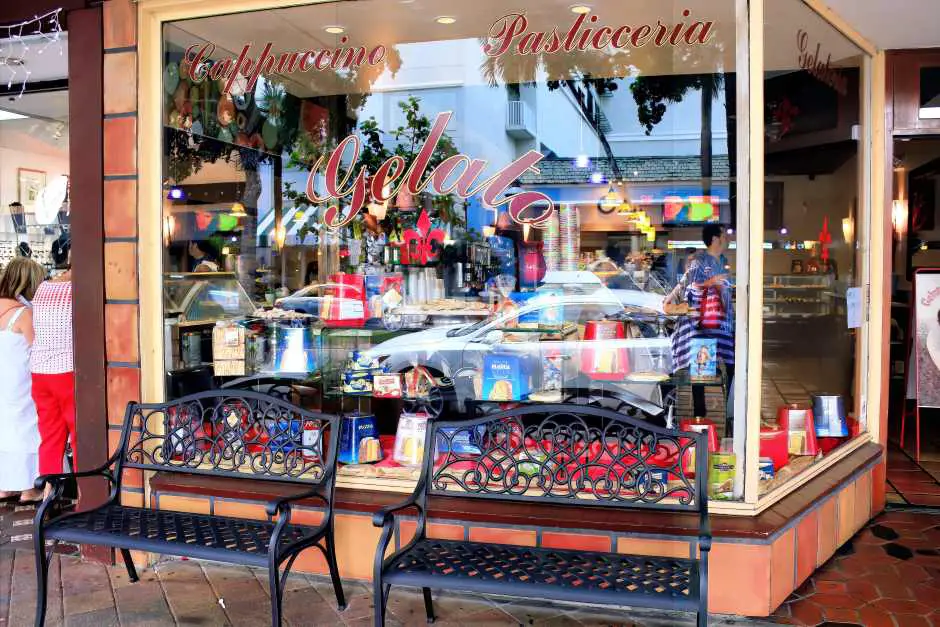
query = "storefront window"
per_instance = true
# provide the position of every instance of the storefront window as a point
(427, 215)
(814, 243)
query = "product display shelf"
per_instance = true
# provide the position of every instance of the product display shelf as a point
(798, 297)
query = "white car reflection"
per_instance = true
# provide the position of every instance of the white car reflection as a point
(454, 355)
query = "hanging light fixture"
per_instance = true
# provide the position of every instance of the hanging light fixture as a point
(899, 216)
(610, 201)
(848, 230)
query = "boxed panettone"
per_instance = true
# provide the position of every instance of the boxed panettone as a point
(410, 437)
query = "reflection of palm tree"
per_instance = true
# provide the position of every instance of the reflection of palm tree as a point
(598, 73)
(653, 93)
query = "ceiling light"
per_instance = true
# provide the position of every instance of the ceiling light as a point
(597, 177)
(580, 9)
(582, 161)
(238, 211)
(10, 115)
(445, 19)
(335, 30)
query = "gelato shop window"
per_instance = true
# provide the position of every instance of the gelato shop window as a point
(413, 217)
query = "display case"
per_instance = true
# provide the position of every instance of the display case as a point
(193, 305)
(798, 297)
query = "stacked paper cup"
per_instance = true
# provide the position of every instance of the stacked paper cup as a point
(570, 237)
(552, 248)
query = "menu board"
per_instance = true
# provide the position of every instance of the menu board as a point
(926, 338)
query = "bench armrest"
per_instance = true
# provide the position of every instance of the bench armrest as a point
(100, 471)
(275, 507)
(386, 514)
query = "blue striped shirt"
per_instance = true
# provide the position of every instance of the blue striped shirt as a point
(703, 267)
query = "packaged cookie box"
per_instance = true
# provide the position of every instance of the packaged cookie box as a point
(228, 342)
(506, 377)
(359, 440)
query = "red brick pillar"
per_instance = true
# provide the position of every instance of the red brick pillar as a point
(121, 294)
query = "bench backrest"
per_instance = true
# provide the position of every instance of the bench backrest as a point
(568, 455)
(234, 433)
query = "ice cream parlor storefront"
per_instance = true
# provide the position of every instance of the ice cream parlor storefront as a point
(404, 209)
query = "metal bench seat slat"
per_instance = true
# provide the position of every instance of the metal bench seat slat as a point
(547, 573)
(179, 533)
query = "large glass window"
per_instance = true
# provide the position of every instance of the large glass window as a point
(815, 243)
(444, 208)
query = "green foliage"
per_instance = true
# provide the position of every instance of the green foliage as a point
(653, 93)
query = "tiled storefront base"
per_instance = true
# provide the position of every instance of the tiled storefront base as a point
(749, 577)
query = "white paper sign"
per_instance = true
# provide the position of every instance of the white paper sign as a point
(853, 300)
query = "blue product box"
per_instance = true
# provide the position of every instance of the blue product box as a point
(704, 362)
(359, 440)
(521, 299)
(460, 440)
(505, 378)
(373, 285)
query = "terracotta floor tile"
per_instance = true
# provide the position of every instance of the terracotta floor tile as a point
(807, 613)
(875, 617)
(903, 606)
(837, 601)
(908, 620)
(924, 499)
(894, 589)
(829, 587)
(841, 615)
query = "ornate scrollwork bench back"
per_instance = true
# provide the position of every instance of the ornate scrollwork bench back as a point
(567, 455)
(232, 433)
(236, 434)
(561, 454)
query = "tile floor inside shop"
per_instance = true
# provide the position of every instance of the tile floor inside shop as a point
(887, 576)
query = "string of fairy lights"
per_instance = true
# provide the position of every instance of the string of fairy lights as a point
(41, 32)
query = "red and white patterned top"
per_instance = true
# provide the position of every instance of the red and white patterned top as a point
(52, 324)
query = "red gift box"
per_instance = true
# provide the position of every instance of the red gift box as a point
(774, 443)
(347, 306)
(593, 359)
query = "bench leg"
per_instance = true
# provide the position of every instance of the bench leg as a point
(129, 565)
(334, 572)
(428, 604)
(379, 601)
(275, 585)
(42, 576)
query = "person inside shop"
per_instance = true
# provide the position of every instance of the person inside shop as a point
(706, 287)
(202, 257)
(19, 429)
(51, 363)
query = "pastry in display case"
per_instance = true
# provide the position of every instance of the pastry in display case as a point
(798, 296)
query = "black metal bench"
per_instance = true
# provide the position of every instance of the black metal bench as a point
(235, 434)
(573, 456)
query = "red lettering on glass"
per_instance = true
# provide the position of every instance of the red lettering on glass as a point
(823, 71)
(510, 34)
(526, 207)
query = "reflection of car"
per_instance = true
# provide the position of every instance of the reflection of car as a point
(455, 354)
(344, 301)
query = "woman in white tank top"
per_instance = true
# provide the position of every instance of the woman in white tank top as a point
(19, 431)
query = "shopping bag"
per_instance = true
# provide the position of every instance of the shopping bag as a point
(711, 309)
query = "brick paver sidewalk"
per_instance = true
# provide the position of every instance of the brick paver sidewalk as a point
(888, 575)
(185, 592)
